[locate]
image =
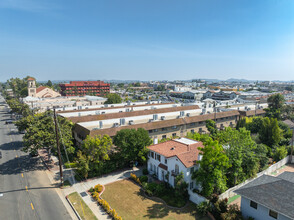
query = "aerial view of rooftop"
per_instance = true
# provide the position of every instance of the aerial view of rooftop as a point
(134, 110)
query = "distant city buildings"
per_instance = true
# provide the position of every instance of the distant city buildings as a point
(81, 88)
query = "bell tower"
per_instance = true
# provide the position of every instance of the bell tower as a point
(32, 90)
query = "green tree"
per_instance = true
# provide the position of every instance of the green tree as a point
(270, 134)
(240, 148)
(93, 154)
(49, 83)
(280, 153)
(213, 166)
(275, 105)
(113, 98)
(211, 127)
(181, 187)
(40, 133)
(132, 144)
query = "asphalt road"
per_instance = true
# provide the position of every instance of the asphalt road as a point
(25, 189)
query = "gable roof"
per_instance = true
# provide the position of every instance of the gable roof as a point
(187, 153)
(275, 193)
(39, 89)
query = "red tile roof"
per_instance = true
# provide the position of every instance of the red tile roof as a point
(187, 154)
(30, 79)
(39, 89)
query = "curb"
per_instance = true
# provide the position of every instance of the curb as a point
(75, 211)
(45, 163)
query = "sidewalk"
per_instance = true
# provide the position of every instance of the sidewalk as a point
(82, 187)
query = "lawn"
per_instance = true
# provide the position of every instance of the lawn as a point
(233, 198)
(81, 207)
(130, 203)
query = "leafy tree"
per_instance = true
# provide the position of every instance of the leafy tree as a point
(132, 144)
(211, 127)
(280, 153)
(24, 92)
(93, 154)
(204, 138)
(270, 133)
(240, 148)
(181, 187)
(275, 105)
(213, 166)
(49, 83)
(40, 133)
(113, 98)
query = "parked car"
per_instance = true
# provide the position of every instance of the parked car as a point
(9, 121)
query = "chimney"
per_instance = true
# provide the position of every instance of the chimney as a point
(155, 140)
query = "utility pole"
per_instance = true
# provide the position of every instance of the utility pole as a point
(292, 145)
(58, 149)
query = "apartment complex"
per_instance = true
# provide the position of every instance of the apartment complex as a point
(81, 88)
(161, 120)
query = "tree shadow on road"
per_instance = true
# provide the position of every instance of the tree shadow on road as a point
(14, 145)
(21, 164)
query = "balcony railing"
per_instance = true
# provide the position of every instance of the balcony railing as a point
(175, 173)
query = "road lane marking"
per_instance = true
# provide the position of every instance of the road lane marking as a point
(22, 175)
(32, 206)
(27, 189)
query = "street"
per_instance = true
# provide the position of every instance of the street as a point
(25, 189)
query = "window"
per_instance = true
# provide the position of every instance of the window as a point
(152, 154)
(192, 170)
(200, 130)
(163, 136)
(165, 161)
(174, 127)
(158, 157)
(192, 131)
(174, 135)
(253, 204)
(191, 185)
(273, 214)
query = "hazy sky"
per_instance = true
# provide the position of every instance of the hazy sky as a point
(147, 39)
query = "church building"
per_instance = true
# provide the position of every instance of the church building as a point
(41, 91)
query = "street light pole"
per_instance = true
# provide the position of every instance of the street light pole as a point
(58, 149)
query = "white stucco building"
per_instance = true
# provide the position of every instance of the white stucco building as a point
(168, 159)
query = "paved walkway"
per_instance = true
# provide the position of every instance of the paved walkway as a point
(86, 185)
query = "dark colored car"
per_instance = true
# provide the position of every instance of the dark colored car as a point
(9, 121)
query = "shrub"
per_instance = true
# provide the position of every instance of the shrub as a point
(145, 171)
(136, 179)
(96, 195)
(98, 188)
(91, 190)
(203, 208)
(70, 165)
(143, 179)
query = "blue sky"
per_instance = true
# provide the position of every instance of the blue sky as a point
(147, 39)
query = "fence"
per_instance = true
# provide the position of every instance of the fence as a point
(230, 192)
(196, 198)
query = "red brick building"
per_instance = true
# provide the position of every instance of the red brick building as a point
(81, 88)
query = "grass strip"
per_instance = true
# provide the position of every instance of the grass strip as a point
(81, 207)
